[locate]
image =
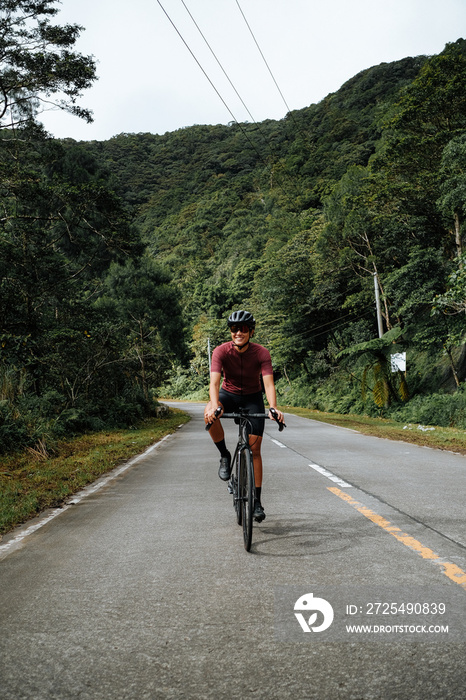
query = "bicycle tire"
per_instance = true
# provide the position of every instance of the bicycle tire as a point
(236, 494)
(246, 492)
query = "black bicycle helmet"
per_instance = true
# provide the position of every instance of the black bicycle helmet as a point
(239, 317)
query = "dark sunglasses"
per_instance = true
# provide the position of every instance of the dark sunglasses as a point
(241, 329)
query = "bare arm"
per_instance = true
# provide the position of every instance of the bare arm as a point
(214, 389)
(271, 394)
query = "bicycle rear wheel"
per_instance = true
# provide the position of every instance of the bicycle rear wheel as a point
(246, 493)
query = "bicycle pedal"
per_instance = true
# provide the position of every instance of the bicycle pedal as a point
(230, 487)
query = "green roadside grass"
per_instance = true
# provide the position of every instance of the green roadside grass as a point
(428, 436)
(33, 481)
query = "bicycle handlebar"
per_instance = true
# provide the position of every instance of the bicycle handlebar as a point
(249, 415)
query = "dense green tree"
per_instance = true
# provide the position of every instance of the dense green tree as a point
(38, 68)
(453, 301)
(386, 218)
(284, 297)
(63, 360)
(452, 201)
(429, 114)
(145, 308)
(57, 238)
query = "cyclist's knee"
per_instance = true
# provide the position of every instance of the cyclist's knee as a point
(255, 443)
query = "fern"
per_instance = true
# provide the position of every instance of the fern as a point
(364, 381)
(388, 387)
(403, 391)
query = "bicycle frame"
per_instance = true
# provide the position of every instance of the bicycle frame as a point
(242, 482)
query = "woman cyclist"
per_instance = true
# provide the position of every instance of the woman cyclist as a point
(242, 363)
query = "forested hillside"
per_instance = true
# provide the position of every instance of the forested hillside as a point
(120, 259)
(291, 219)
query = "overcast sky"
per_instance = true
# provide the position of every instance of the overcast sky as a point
(150, 82)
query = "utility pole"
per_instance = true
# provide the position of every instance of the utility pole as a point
(377, 304)
(208, 353)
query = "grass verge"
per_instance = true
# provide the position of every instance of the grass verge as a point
(31, 482)
(427, 436)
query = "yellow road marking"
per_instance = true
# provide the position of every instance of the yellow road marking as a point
(453, 571)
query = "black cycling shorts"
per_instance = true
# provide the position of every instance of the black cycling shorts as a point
(253, 402)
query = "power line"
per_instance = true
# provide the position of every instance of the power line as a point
(195, 58)
(263, 134)
(335, 328)
(218, 92)
(218, 61)
(208, 78)
(312, 332)
(292, 116)
(228, 78)
(263, 57)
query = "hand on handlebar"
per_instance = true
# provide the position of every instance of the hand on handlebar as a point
(211, 415)
(277, 416)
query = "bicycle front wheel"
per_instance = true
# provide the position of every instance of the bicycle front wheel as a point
(236, 488)
(246, 492)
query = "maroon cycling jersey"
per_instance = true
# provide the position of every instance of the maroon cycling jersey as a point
(241, 370)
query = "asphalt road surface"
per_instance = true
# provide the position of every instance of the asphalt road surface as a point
(142, 589)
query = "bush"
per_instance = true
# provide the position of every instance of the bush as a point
(446, 410)
(185, 384)
(33, 419)
(73, 421)
(340, 394)
(13, 431)
(298, 392)
(337, 394)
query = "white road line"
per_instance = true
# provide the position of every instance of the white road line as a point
(321, 470)
(330, 476)
(16, 541)
(277, 442)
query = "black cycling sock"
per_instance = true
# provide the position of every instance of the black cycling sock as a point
(222, 448)
(258, 493)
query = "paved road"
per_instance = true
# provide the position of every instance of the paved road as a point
(143, 590)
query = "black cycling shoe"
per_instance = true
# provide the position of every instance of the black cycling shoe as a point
(258, 512)
(225, 468)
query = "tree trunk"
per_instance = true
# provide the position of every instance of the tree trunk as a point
(453, 367)
(459, 245)
(143, 364)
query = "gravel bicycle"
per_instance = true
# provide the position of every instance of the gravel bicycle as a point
(242, 484)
